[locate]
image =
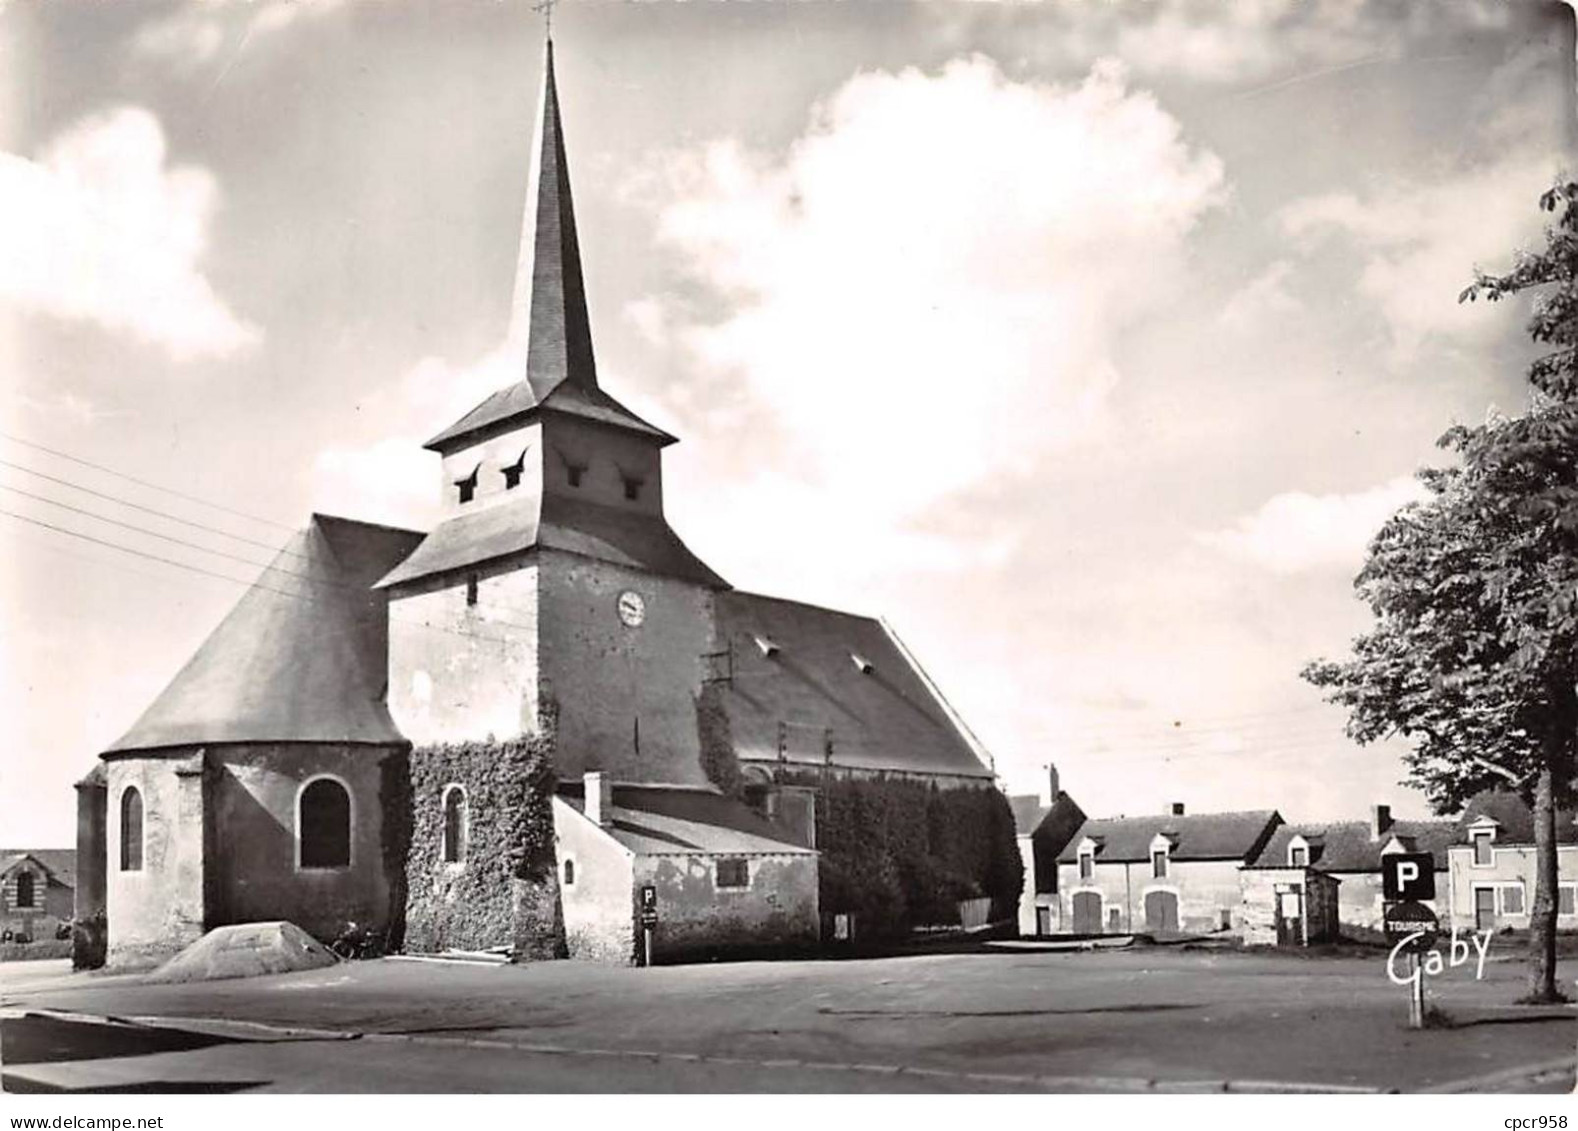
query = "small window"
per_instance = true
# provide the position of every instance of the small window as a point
(734, 873)
(1114, 919)
(1512, 899)
(569, 873)
(467, 487)
(323, 825)
(1159, 864)
(454, 825)
(471, 589)
(1565, 900)
(1299, 856)
(512, 473)
(573, 473)
(24, 889)
(1482, 849)
(632, 488)
(1087, 865)
(131, 830)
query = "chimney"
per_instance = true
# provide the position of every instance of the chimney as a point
(1178, 808)
(599, 798)
(1052, 776)
(1380, 821)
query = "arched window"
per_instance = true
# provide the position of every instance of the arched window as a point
(569, 873)
(24, 889)
(131, 830)
(454, 824)
(323, 825)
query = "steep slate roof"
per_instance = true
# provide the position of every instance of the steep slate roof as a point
(302, 657)
(667, 821)
(890, 718)
(628, 538)
(1345, 846)
(1028, 812)
(60, 863)
(1204, 836)
(1516, 820)
(550, 323)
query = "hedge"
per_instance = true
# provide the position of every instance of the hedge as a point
(899, 853)
(507, 891)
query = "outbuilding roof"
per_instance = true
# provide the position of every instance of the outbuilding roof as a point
(60, 863)
(1203, 836)
(834, 687)
(1028, 812)
(1346, 846)
(302, 657)
(670, 821)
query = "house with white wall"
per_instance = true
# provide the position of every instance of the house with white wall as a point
(1491, 866)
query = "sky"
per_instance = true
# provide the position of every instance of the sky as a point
(1086, 343)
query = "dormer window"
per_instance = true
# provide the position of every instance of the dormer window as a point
(513, 472)
(1298, 853)
(1087, 862)
(467, 487)
(633, 487)
(1161, 854)
(1484, 853)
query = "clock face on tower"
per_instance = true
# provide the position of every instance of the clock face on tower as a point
(632, 609)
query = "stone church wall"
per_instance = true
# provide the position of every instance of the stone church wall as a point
(465, 673)
(255, 788)
(157, 909)
(626, 695)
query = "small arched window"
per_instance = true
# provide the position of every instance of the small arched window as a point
(24, 889)
(131, 830)
(323, 825)
(569, 873)
(454, 825)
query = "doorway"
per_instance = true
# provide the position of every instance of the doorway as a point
(1161, 911)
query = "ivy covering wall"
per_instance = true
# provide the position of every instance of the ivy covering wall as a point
(716, 738)
(900, 853)
(506, 889)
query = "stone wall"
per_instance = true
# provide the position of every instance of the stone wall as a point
(1208, 893)
(255, 875)
(599, 905)
(160, 908)
(626, 695)
(460, 672)
(88, 938)
(778, 908)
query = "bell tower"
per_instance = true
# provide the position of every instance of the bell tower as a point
(554, 573)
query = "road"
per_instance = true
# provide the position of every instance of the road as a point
(1165, 1018)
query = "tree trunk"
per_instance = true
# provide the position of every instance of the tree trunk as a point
(1542, 914)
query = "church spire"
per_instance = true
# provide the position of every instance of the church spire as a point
(549, 320)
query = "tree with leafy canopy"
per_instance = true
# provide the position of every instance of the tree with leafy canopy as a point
(1474, 651)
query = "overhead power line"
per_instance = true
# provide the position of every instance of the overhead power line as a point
(144, 482)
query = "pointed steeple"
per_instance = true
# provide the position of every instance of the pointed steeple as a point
(549, 315)
(550, 334)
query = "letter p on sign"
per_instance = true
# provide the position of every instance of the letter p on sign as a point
(1408, 875)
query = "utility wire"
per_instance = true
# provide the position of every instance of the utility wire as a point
(147, 510)
(144, 482)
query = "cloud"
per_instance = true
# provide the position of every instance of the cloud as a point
(393, 479)
(197, 31)
(1297, 532)
(929, 287)
(97, 228)
(1259, 303)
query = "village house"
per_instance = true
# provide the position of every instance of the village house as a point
(1161, 874)
(258, 784)
(1349, 852)
(1041, 831)
(37, 892)
(1491, 866)
(1287, 901)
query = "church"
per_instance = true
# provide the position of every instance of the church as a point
(545, 723)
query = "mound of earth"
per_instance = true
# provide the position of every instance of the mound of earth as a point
(246, 950)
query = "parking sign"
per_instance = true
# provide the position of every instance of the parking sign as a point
(1408, 875)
